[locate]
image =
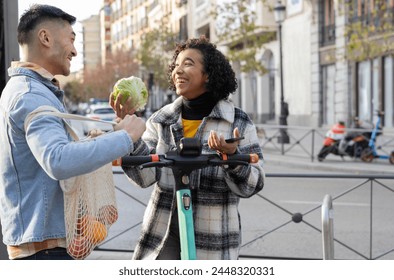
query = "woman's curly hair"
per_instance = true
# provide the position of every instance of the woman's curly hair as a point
(221, 77)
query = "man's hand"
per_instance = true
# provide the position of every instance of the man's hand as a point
(134, 126)
(95, 132)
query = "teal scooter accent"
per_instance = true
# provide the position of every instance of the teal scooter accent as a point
(189, 149)
(186, 226)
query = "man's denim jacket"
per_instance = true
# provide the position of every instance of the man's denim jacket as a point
(32, 162)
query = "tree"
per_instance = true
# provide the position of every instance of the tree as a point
(98, 82)
(237, 29)
(154, 53)
(369, 30)
(74, 91)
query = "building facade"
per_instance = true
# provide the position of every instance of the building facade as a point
(91, 42)
(356, 61)
(321, 84)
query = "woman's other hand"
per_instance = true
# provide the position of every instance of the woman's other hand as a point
(218, 143)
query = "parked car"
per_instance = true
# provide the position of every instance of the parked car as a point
(99, 112)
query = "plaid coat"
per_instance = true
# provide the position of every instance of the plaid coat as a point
(215, 191)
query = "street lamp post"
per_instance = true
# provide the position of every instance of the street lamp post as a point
(280, 15)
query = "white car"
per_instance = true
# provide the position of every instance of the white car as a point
(99, 112)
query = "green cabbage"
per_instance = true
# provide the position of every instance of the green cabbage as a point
(133, 87)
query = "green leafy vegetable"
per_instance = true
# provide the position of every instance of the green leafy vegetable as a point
(132, 87)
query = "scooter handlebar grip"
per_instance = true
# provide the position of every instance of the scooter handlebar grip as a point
(254, 158)
(250, 158)
(135, 160)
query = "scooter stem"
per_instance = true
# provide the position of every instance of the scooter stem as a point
(185, 215)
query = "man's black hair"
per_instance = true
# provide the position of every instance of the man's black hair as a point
(37, 14)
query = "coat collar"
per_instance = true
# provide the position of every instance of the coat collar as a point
(170, 114)
(36, 68)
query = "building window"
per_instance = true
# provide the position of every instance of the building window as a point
(328, 22)
(364, 96)
(375, 90)
(271, 87)
(200, 2)
(372, 12)
(328, 94)
(388, 91)
(183, 28)
(204, 30)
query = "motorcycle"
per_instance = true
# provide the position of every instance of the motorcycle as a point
(339, 143)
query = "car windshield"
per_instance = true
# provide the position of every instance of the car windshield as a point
(104, 111)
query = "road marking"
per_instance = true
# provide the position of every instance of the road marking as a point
(318, 202)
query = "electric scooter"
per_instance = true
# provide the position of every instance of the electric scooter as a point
(183, 161)
(370, 153)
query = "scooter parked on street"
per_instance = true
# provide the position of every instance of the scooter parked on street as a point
(370, 153)
(351, 143)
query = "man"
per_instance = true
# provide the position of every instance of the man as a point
(33, 161)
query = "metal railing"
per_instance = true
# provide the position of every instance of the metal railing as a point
(327, 216)
(371, 183)
(260, 229)
(307, 141)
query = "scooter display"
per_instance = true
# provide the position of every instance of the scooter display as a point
(339, 143)
(370, 153)
(183, 161)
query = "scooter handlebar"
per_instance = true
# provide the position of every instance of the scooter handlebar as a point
(155, 160)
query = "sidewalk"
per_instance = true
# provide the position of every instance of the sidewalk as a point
(331, 164)
(304, 143)
(108, 255)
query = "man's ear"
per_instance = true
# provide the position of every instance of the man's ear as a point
(44, 37)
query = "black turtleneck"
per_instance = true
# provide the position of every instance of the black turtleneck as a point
(198, 108)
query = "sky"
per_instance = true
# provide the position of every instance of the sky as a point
(81, 9)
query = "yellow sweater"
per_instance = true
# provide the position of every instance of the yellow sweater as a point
(190, 127)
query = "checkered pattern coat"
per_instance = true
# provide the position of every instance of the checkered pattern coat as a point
(215, 191)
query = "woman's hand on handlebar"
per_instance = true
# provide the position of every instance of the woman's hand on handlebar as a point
(219, 144)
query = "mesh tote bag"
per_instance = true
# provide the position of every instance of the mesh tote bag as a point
(89, 199)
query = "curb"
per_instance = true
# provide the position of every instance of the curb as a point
(331, 165)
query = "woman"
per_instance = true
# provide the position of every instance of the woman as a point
(203, 79)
